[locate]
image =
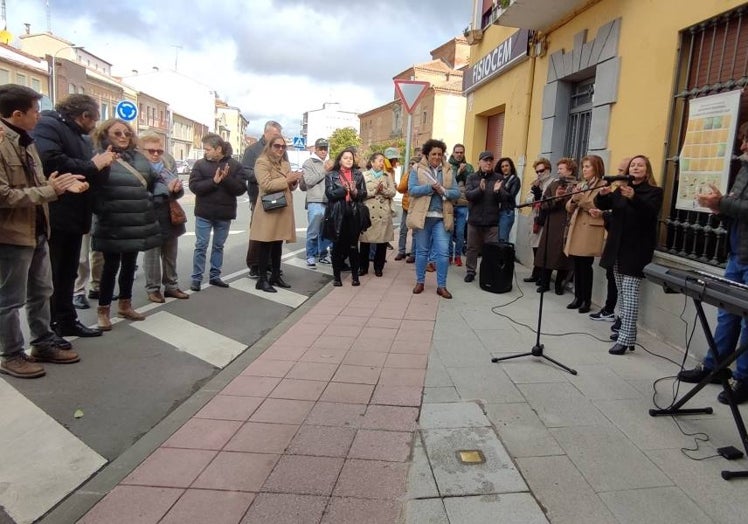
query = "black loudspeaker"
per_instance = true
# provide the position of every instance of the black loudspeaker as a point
(497, 267)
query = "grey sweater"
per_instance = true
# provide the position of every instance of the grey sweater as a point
(314, 178)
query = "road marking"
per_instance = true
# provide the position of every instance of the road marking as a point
(42, 462)
(191, 338)
(283, 296)
(325, 269)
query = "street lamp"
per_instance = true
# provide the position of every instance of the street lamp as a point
(54, 70)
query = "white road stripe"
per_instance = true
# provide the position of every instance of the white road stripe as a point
(42, 462)
(186, 336)
(283, 296)
(300, 262)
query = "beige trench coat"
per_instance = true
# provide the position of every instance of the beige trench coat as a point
(278, 224)
(586, 235)
(380, 209)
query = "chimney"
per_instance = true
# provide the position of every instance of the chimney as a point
(28, 28)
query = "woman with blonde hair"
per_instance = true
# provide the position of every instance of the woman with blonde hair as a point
(631, 241)
(125, 218)
(380, 189)
(272, 225)
(586, 234)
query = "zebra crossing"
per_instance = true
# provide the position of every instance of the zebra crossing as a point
(43, 461)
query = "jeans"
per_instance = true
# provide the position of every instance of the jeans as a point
(316, 244)
(203, 227)
(402, 240)
(434, 236)
(457, 243)
(64, 254)
(112, 263)
(25, 278)
(731, 327)
(506, 221)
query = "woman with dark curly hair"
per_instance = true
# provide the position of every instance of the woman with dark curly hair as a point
(346, 191)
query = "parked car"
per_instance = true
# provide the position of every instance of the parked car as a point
(183, 167)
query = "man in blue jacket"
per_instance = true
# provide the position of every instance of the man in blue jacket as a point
(730, 328)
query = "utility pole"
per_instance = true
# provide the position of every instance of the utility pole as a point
(176, 55)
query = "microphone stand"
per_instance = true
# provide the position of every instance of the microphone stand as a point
(537, 349)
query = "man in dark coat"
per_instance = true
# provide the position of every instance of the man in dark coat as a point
(482, 191)
(731, 328)
(251, 154)
(63, 146)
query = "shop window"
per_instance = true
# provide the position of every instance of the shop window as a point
(713, 58)
(577, 139)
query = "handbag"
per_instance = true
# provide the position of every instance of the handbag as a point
(274, 201)
(176, 213)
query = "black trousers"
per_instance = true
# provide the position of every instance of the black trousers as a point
(583, 278)
(612, 299)
(379, 256)
(346, 246)
(112, 263)
(269, 257)
(545, 278)
(64, 252)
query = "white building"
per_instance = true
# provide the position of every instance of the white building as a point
(320, 123)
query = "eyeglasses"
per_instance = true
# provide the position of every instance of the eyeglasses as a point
(155, 151)
(279, 146)
(120, 134)
(540, 171)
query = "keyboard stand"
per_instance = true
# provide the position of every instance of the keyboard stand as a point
(721, 365)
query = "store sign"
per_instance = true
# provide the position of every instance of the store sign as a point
(504, 56)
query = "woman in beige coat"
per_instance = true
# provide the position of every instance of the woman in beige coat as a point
(380, 189)
(586, 235)
(271, 227)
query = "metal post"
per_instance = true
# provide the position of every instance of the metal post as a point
(406, 158)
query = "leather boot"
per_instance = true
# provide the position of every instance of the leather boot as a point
(574, 304)
(277, 280)
(125, 310)
(102, 318)
(264, 285)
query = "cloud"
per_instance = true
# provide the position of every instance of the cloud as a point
(275, 59)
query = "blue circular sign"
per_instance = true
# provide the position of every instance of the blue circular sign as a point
(126, 110)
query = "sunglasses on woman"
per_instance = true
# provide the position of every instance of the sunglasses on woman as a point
(155, 151)
(279, 146)
(120, 134)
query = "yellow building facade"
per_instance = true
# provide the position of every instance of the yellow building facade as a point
(606, 77)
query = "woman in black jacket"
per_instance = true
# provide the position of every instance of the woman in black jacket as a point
(631, 241)
(125, 219)
(508, 190)
(216, 181)
(345, 190)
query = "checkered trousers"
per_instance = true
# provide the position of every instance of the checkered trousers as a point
(628, 294)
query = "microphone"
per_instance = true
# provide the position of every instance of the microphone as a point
(618, 178)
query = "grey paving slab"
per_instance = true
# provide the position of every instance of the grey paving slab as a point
(563, 492)
(725, 502)
(646, 432)
(654, 506)
(497, 475)
(466, 357)
(426, 511)
(437, 376)
(440, 394)
(599, 382)
(521, 430)
(421, 482)
(490, 509)
(561, 405)
(453, 415)
(488, 383)
(531, 370)
(608, 460)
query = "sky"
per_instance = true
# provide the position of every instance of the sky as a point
(274, 59)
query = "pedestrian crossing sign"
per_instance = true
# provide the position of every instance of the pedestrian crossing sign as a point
(299, 142)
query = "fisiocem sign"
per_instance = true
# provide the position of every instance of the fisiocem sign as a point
(500, 59)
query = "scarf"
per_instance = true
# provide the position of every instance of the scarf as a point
(377, 174)
(346, 175)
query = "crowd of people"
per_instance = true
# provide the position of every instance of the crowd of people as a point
(79, 200)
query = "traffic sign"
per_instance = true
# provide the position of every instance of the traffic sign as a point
(299, 142)
(411, 92)
(126, 110)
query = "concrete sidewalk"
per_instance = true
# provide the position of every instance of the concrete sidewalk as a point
(325, 425)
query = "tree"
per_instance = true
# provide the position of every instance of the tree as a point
(342, 138)
(398, 143)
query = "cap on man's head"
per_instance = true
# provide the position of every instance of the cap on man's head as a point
(391, 153)
(485, 155)
(321, 143)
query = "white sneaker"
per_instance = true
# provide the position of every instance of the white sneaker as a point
(310, 262)
(324, 260)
